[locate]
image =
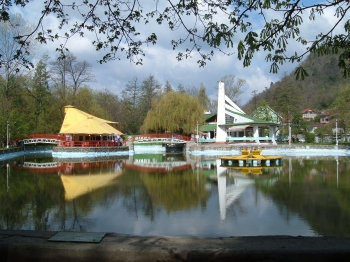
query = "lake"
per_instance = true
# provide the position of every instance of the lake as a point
(176, 195)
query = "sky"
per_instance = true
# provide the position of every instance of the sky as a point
(160, 59)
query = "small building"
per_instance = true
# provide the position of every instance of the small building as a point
(308, 114)
(268, 114)
(324, 117)
(83, 129)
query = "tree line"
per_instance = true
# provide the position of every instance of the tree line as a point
(33, 94)
(33, 101)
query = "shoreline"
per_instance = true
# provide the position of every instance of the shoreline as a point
(192, 149)
(36, 246)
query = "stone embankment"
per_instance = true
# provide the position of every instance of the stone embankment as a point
(88, 150)
(35, 246)
(241, 146)
(268, 149)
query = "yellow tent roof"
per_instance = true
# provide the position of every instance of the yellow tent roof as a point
(79, 122)
(76, 186)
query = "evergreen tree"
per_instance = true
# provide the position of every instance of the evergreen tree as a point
(39, 92)
(167, 87)
(150, 89)
(203, 99)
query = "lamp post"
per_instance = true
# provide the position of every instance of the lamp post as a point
(289, 134)
(197, 136)
(336, 132)
(7, 134)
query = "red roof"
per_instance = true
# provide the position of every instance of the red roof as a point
(307, 110)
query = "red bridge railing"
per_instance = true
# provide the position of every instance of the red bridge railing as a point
(64, 142)
(90, 143)
(47, 136)
(152, 136)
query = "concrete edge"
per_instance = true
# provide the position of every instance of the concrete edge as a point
(34, 246)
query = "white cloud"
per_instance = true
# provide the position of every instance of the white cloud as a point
(160, 59)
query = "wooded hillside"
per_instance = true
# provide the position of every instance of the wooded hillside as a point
(317, 91)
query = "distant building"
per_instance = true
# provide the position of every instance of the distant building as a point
(324, 117)
(268, 114)
(308, 114)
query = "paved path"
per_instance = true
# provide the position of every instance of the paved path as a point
(34, 246)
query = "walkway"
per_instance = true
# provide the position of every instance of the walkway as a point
(34, 246)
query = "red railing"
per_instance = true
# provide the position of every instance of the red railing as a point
(90, 143)
(150, 136)
(47, 136)
(65, 143)
(106, 143)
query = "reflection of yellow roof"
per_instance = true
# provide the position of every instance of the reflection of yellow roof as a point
(79, 122)
(75, 186)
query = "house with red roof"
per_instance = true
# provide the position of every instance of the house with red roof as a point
(308, 114)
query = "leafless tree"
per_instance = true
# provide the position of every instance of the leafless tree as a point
(68, 72)
(233, 87)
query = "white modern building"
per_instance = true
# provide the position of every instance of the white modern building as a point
(231, 124)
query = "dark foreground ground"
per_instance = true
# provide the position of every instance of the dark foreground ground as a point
(35, 246)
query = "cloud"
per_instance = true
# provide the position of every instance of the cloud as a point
(160, 59)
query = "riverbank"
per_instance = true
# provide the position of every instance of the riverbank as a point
(35, 246)
(204, 149)
(13, 152)
(299, 149)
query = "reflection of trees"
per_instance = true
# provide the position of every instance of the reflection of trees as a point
(313, 192)
(135, 195)
(176, 191)
(29, 198)
(36, 201)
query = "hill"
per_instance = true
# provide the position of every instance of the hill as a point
(317, 91)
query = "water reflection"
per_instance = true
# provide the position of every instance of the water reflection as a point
(175, 195)
(241, 179)
(77, 185)
(316, 190)
(160, 163)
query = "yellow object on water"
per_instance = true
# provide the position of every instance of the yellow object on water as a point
(251, 158)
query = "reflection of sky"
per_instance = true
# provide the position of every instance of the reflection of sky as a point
(252, 214)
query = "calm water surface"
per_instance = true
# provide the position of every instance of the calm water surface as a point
(175, 195)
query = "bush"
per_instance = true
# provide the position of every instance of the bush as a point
(310, 138)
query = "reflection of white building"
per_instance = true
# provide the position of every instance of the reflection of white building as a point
(231, 124)
(228, 194)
